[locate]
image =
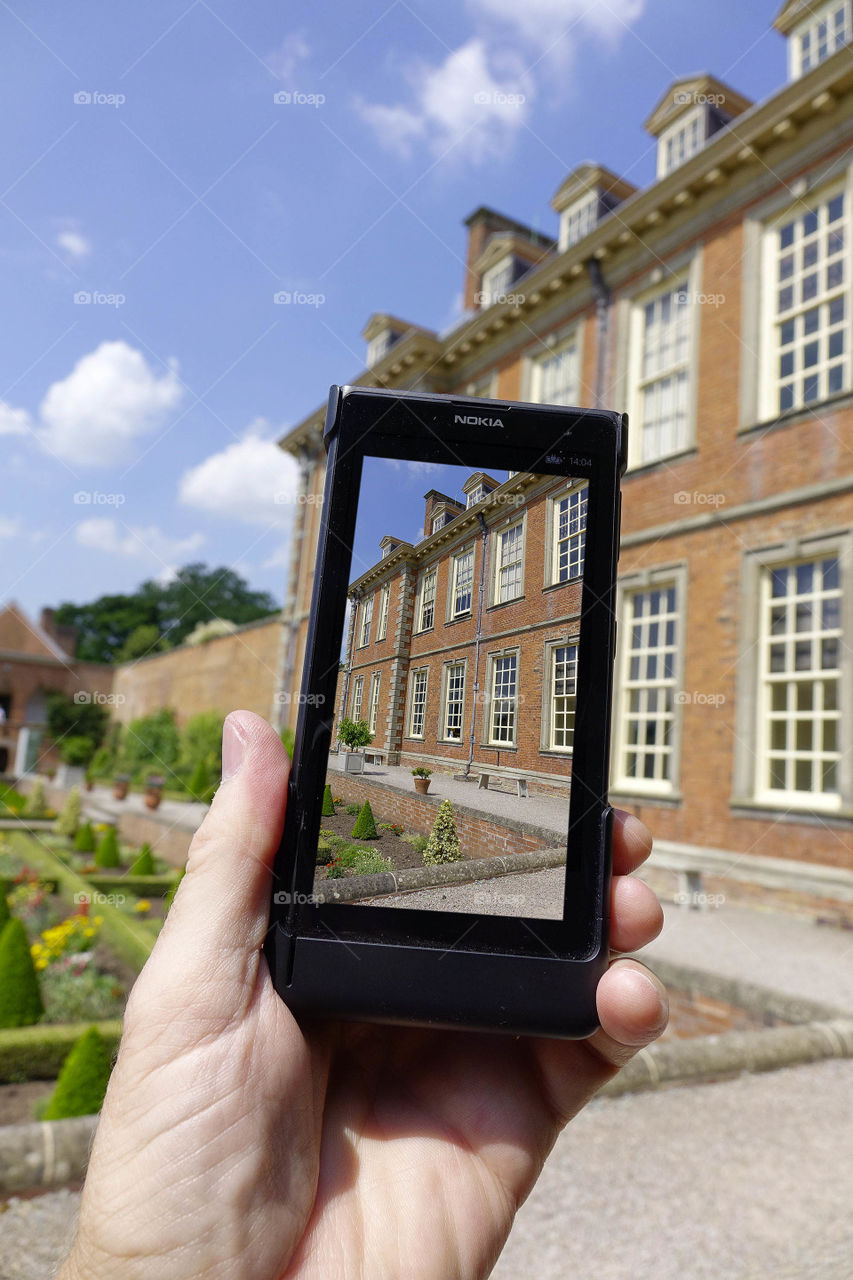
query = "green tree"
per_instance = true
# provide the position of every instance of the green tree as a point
(142, 641)
(198, 594)
(443, 844)
(143, 864)
(150, 744)
(354, 733)
(83, 1079)
(69, 819)
(84, 841)
(20, 997)
(365, 827)
(36, 806)
(104, 625)
(107, 851)
(328, 810)
(201, 743)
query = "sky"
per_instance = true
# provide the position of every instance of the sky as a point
(170, 170)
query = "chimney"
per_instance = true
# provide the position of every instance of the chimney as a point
(482, 224)
(65, 637)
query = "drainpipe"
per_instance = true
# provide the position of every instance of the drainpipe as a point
(481, 594)
(354, 599)
(603, 296)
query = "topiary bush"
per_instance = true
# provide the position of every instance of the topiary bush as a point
(36, 806)
(84, 841)
(443, 844)
(328, 810)
(69, 819)
(324, 853)
(199, 780)
(4, 907)
(106, 854)
(82, 1081)
(143, 865)
(20, 997)
(170, 896)
(365, 827)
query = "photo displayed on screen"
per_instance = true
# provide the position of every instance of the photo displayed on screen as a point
(455, 707)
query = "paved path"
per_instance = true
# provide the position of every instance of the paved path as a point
(100, 802)
(745, 1180)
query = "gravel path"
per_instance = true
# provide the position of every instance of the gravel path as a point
(746, 1179)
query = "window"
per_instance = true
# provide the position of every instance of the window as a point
(454, 700)
(496, 282)
(509, 569)
(578, 220)
(373, 712)
(800, 687)
(646, 757)
(503, 699)
(426, 600)
(438, 523)
(662, 333)
(417, 706)
(463, 579)
(826, 29)
(569, 518)
(384, 602)
(682, 141)
(564, 672)
(366, 619)
(807, 281)
(556, 375)
(476, 495)
(379, 347)
(357, 697)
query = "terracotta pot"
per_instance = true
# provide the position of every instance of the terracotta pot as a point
(120, 790)
(422, 785)
(89, 784)
(153, 797)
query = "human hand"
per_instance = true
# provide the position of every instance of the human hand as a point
(235, 1143)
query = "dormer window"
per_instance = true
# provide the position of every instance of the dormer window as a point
(688, 115)
(439, 522)
(587, 195)
(497, 282)
(682, 141)
(388, 545)
(578, 220)
(378, 347)
(823, 30)
(477, 487)
(476, 495)
(381, 333)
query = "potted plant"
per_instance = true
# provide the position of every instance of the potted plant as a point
(421, 777)
(154, 785)
(354, 734)
(121, 785)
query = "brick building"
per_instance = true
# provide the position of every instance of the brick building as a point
(714, 306)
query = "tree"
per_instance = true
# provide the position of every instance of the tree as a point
(107, 853)
(142, 641)
(365, 827)
(143, 865)
(150, 742)
(201, 744)
(20, 997)
(69, 819)
(354, 733)
(69, 718)
(328, 810)
(443, 844)
(84, 841)
(83, 1079)
(198, 594)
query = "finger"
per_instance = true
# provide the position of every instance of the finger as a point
(636, 916)
(223, 900)
(633, 1010)
(632, 842)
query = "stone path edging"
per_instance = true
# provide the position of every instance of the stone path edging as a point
(354, 888)
(45, 1154)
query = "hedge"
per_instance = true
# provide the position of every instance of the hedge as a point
(139, 886)
(37, 1053)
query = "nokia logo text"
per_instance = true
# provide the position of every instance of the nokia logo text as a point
(471, 420)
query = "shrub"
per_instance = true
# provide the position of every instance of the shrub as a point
(199, 780)
(353, 809)
(77, 749)
(82, 1081)
(69, 819)
(324, 853)
(288, 737)
(107, 851)
(365, 827)
(11, 799)
(36, 805)
(201, 750)
(20, 997)
(84, 841)
(4, 907)
(371, 862)
(143, 865)
(170, 896)
(390, 826)
(418, 843)
(354, 733)
(72, 994)
(443, 844)
(335, 869)
(421, 772)
(328, 810)
(102, 764)
(150, 742)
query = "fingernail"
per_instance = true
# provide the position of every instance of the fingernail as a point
(233, 746)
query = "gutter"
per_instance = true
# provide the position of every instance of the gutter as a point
(603, 296)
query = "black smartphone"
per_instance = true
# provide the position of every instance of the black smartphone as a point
(470, 548)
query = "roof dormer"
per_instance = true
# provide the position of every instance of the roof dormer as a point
(478, 486)
(442, 513)
(506, 258)
(381, 332)
(388, 545)
(586, 196)
(691, 111)
(814, 31)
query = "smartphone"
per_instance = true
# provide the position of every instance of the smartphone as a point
(463, 615)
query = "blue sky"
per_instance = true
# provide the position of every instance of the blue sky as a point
(181, 197)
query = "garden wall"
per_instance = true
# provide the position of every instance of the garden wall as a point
(479, 835)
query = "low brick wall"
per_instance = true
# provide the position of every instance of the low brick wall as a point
(720, 890)
(479, 835)
(693, 1014)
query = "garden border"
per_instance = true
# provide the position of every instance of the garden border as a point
(38, 1052)
(353, 888)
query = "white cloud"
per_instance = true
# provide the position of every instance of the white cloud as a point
(13, 422)
(554, 26)
(137, 542)
(9, 528)
(74, 244)
(473, 98)
(251, 480)
(109, 399)
(292, 51)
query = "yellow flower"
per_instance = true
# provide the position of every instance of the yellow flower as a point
(142, 906)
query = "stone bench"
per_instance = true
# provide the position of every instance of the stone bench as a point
(521, 784)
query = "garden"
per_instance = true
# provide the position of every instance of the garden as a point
(79, 914)
(353, 843)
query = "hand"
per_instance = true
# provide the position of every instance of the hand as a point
(234, 1142)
